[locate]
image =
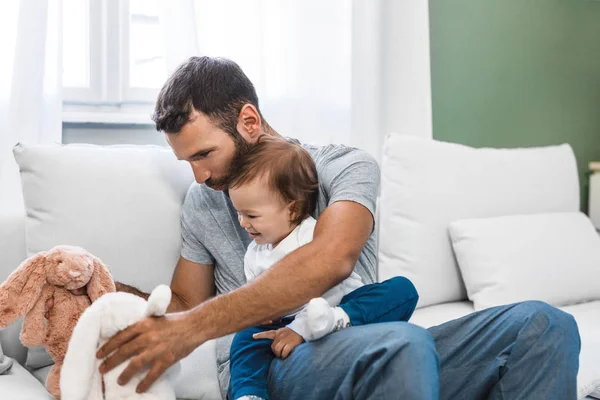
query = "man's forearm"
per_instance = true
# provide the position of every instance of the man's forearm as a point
(176, 304)
(340, 235)
(304, 274)
(121, 287)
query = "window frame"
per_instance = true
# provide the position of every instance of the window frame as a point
(109, 97)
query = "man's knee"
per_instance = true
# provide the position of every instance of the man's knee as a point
(549, 320)
(407, 355)
(405, 338)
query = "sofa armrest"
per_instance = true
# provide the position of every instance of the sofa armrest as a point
(12, 249)
(12, 241)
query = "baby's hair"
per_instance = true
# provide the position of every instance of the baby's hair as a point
(289, 169)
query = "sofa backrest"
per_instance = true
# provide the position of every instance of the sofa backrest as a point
(122, 203)
(12, 253)
(427, 184)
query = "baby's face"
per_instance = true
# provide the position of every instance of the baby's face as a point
(261, 212)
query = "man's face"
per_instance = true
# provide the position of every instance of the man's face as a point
(209, 150)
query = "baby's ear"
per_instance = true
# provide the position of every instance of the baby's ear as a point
(293, 210)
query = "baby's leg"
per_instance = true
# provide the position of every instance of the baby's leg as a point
(388, 301)
(392, 300)
(250, 360)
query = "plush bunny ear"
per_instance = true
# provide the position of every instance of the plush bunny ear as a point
(21, 290)
(79, 377)
(101, 281)
(159, 301)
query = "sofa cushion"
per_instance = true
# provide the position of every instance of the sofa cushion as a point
(11, 343)
(5, 362)
(121, 203)
(427, 184)
(586, 315)
(552, 257)
(41, 373)
(426, 317)
(19, 384)
(197, 378)
(38, 357)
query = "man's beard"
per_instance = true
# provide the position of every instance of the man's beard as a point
(241, 147)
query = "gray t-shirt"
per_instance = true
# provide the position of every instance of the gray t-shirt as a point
(212, 234)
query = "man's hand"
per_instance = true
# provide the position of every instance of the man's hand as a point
(285, 341)
(155, 343)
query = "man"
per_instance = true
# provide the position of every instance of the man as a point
(209, 112)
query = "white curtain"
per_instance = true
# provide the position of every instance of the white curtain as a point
(314, 62)
(30, 84)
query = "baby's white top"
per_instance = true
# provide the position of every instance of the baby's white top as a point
(260, 257)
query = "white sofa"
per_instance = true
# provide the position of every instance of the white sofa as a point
(122, 204)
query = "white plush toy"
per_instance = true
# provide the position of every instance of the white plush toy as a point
(111, 313)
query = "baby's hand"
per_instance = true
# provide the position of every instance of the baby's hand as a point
(284, 341)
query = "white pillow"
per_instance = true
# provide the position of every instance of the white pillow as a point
(121, 203)
(552, 257)
(427, 184)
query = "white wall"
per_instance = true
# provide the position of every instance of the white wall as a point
(391, 84)
(406, 68)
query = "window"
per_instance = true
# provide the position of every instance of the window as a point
(113, 60)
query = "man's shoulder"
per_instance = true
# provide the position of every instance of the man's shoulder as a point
(335, 160)
(337, 155)
(332, 151)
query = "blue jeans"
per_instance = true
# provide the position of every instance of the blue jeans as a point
(527, 350)
(392, 300)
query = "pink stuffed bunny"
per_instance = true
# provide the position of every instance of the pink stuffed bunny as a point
(52, 274)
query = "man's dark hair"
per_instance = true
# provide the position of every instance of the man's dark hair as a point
(289, 169)
(216, 87)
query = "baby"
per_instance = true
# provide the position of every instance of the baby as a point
(274, 188)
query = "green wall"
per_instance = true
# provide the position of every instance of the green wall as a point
(510, 73)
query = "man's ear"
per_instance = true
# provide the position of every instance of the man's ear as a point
(249, 123)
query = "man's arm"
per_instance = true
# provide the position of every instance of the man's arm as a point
(340, 234)
(191, 285)
(121, 287)
(351, 180)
